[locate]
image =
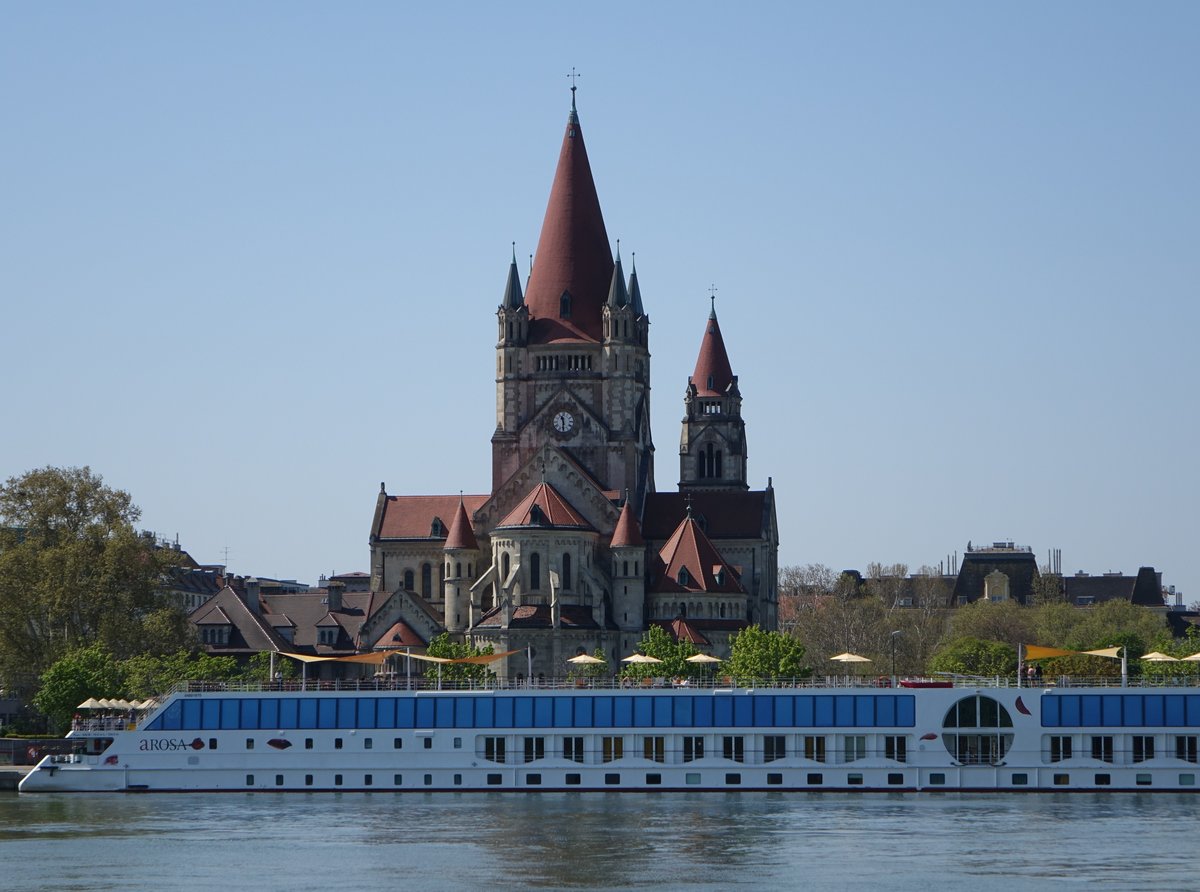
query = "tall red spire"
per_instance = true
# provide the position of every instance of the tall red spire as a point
(573, 266)
(713, 374)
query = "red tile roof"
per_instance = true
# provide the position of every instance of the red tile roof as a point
(689, 549)
(713, 374)
(573, 253)
(544, 506)
(726, 515)
(628, 531)
(400, 635)
(411, 517)
(461, 534)
(682, 630)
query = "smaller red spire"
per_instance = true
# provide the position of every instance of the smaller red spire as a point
(461, 534)
(713, 373)
(628, 533)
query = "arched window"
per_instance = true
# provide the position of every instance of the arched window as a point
(625, 568)
(722, 611)
(683, 578)
(682, 609)
(718, 468)
(426, 580)
(504, 566)
(564, 305)
(535, 571)
(566, 571)
(458, 569)
(408, 580)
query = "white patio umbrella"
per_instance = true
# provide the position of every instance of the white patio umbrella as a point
(1194, 658)
(641, 658)
(703, 658)
(90, 703)
(1156, 657)
(851, 658)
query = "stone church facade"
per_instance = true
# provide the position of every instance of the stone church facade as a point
(574, 548)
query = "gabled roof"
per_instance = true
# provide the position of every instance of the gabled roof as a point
(724, 515)
(461, 534)
(628, 531)
(690, 550)
(573, 254)
(713, 375)
(412, 517)
(544, 507)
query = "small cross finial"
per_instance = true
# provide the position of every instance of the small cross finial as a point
(688, 502)
(514, 252)
(573, 75)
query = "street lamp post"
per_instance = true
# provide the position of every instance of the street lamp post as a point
(894, 634)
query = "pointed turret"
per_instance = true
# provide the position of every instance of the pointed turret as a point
(461, 534)
(573, 265)
(512, 290)
(618, 297)
(635, 293)
(628, 532)
(713, 375)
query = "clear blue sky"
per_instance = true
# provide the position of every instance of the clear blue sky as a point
(250, 256)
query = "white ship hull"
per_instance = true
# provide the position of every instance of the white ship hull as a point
(803, 738)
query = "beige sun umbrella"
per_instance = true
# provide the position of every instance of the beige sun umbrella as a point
(1156, 657)
(703, 658)
(90, 703)
(850, 658)
(1194, 658)
(641, 658)
(586, 660)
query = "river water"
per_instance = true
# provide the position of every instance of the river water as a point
(372, 841)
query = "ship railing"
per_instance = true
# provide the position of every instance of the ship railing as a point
(428, 683)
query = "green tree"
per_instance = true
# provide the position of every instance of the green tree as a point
(445, 646)
(974, 656)
(150, 675)
(72, 570)
(657, 643)
(1007, 621)
(766, 656)
(77, 675)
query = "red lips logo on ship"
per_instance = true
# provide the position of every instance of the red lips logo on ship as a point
(197, 744)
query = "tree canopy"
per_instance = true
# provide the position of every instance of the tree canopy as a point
(657, 643)
(444, 646)
(767, 656)
(73, 571)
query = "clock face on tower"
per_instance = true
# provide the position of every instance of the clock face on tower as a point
(563, 422)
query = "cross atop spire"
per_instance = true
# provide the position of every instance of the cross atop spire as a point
(573, 75)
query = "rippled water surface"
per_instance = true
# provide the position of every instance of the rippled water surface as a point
(601, 840)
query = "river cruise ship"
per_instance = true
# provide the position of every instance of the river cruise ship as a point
(920, 735)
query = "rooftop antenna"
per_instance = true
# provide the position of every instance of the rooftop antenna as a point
(226, 553)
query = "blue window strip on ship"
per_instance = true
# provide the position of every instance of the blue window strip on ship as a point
(616, 711)
(1121, 710)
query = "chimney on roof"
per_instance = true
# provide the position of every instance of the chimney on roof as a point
(252, 595)
(334, 599)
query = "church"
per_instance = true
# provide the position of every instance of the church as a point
(574, 548)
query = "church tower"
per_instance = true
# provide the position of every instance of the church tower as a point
(712, 445)
(572, 363)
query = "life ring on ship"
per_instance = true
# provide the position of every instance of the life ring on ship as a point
(33, 754)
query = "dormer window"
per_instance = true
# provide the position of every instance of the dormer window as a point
(684, 577)
(326, 636)
(720, 576)
(437, 529)
(564, 305)
(710, 382)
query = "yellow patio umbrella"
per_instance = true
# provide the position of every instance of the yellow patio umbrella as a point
(851, 658)
(586, 660)
(1156, 657)
(702, 658)
(641, 658)
(1194, 658)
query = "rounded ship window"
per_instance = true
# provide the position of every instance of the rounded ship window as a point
(974, 731)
